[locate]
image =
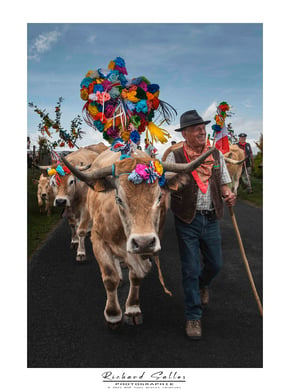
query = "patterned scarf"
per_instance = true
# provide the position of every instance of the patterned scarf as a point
(204, 171)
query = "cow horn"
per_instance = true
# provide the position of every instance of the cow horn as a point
(187, 167)
(88, 177)
(231, 161)
(41, 167)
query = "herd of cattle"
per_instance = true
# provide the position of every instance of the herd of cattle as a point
(125, 220)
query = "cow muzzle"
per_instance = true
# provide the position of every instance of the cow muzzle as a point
(143, 244)
(61, 202)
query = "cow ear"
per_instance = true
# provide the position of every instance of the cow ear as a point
(35, 181)
(177, 182)
(104, 184)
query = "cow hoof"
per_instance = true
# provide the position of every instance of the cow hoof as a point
(81, 258)
(133, 319)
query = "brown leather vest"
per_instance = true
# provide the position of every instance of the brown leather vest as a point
(183, 202)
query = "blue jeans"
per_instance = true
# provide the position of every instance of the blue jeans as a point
(201, 236)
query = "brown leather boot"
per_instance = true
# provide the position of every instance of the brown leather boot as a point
(193, 329)
(204, 295)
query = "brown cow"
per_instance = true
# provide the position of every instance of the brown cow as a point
(235, 159)
(44, 194)
(99, 148)
(71, 195)
(127, 219)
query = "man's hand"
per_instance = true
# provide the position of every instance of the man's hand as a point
(228, 196)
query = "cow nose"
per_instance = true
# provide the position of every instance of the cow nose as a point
(144, 244)
(60, 202)
(43, 195)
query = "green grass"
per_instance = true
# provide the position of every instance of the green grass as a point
(39, 225)
(255, 198)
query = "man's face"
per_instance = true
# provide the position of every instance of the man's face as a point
(242, 139)
(195, 136)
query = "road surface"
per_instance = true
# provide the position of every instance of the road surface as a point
(66, 300)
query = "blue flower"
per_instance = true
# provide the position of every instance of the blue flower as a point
(153, 88)
(216, 128)
(98, 124)
(98, 87)
(123, 80)
(120, 62)
(86, 82)
(135, 178)
(162, 180)
(131, 106)
(135, 136)
(141, 106)
(59, 169)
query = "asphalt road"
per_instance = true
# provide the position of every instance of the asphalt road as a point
(66, 302)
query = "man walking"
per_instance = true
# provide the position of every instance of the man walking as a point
(197, 206)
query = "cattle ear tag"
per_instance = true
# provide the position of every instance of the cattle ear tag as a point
(99, 185)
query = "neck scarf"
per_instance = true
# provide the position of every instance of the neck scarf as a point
(204, 171)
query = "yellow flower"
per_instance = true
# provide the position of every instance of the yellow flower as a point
(92, 110)
(131, 96)
(158, 167)
(84, 94)
(51, 172)
(125, 136)
(111, 65)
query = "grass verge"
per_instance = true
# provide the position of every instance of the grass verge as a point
(256, 197)
(38, 225)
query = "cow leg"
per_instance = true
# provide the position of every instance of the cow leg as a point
(74, 237)
(138, 269)
(111, 280)
(81, 232)
(133, 315)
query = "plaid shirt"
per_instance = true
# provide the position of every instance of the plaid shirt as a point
(204, 201)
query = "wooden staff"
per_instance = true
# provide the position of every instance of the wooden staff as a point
(246, 263)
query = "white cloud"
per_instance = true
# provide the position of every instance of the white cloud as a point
(42, 44)
(210, 112)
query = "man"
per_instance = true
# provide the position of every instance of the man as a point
(248, 164)
(150, 149)
(196, 207)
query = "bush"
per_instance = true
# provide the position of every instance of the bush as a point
(258, 168)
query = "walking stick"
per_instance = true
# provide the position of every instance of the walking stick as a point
(246, 263)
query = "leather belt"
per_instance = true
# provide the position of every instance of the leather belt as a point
(206, 212)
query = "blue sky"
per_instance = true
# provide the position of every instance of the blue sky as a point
(197, 65)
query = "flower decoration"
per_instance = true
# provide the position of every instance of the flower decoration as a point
(148, 173)
(58, 172)
(127, 106)
(68, 138)
(222, 112)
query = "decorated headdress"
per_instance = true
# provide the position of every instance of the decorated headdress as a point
(122, 109)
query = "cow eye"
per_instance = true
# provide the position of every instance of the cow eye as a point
(159, 198)
(72, 181)
(119, 200)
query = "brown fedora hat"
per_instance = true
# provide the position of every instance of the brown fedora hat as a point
(190, 118)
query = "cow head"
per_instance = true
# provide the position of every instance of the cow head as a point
(43, 186)
(139, 203)
(63, 183)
